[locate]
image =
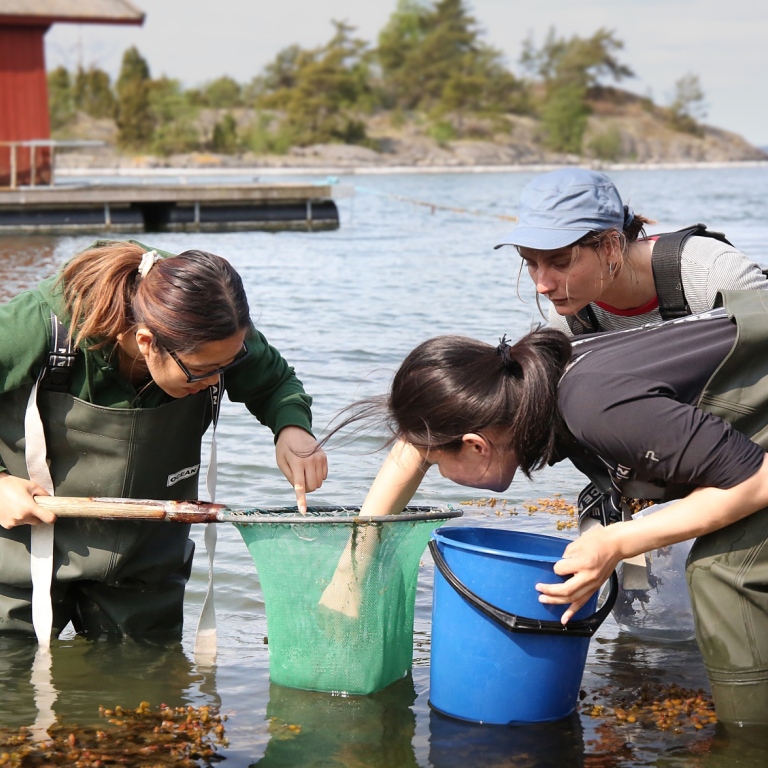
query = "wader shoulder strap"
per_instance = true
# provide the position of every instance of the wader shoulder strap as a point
(206, 635)
(667, 274)
(737, 392)
(57, 372)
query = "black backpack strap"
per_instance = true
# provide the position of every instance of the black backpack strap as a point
(57, 373)
(667, 253)
(583, 321)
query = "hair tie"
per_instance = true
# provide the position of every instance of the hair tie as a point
(148, 260)
(629, 217)
(504, 351)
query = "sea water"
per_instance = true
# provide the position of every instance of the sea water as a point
(344, 308)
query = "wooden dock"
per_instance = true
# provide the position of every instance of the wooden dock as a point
(170, 208)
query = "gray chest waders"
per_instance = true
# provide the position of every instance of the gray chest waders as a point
(728, 569)
(96, 451)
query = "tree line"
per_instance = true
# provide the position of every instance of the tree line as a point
(430, 65)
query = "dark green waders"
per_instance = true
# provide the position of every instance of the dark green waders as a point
(728, 569)
(122, 578)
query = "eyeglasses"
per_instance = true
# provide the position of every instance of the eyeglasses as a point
(193, 377)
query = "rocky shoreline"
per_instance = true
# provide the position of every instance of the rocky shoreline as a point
(645, 141)
(638, 139)
(257, 171)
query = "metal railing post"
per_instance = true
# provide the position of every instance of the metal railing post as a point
(13, 165)
(32, 168)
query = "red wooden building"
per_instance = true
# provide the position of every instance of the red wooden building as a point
(23, 85)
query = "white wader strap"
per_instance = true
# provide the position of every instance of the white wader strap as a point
(206, 637)
(41, 535)
(41, 564)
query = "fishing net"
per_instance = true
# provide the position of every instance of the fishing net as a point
(339, 592)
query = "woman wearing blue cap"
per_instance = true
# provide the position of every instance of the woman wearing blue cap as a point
(589, 255)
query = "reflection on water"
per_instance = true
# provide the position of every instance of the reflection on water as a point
(308, 728)
(455, 744)
(88, 674)
(344, 308)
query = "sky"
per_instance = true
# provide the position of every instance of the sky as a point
(720, 41)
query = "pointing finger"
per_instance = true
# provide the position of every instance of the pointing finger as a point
(301, 497)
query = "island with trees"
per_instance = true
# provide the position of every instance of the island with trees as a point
(430, 91)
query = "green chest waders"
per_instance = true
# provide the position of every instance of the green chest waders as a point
(728, 569)
(113, 577)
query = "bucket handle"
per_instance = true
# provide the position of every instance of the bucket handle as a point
(514, 623)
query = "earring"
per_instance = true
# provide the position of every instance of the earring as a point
(611, 268)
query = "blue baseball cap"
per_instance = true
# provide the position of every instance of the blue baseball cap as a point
(559, 208)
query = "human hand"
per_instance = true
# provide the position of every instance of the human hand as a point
(589, 560)
(17, 503)
(302, 462)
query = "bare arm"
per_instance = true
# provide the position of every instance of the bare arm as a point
(398, 479)
(593, 556)
(394, 486)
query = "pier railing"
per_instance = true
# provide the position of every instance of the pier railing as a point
(34, 170)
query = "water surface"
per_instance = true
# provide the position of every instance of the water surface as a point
(344, 308)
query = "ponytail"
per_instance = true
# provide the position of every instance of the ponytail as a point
(635, 227)
(99, 285)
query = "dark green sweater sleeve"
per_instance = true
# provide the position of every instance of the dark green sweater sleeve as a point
(24, 340)
(268, 387)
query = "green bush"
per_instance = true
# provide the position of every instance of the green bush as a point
(564, 119)
(176, 138)
(261, 138)
(607, 144)
(224, 139)
(442, 132)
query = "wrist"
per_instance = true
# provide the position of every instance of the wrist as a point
(620, 540)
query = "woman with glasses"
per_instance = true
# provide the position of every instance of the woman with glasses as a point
(588, 253)
(110, 374)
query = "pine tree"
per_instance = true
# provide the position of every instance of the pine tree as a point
(93, 92)
(223, 93)
(61, 106)
(569, 68)
(432, 58)
(321, 90)
(174, 114)
(135, 122)
(688, 105)
(224, 137)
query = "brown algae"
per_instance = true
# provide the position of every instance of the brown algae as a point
(179, 736)
(556, 505)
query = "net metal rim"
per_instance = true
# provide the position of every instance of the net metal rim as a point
(320, 516)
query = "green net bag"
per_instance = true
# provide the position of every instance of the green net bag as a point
(339, 592)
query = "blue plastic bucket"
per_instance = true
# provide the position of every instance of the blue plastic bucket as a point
(498, 654)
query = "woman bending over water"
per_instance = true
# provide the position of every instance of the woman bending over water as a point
(677, 410)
